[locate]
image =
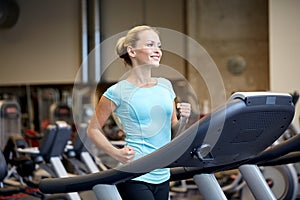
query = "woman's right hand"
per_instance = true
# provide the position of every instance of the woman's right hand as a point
(125, 154)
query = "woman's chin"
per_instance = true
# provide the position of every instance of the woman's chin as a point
(156, 64)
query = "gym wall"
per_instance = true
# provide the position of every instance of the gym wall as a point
(285, 47)
(43, 47)
(238, 29)
(232, 32)
(119, 16)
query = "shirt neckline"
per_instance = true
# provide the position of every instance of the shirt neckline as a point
(131, 84)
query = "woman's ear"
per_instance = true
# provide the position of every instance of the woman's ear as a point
(130, 51)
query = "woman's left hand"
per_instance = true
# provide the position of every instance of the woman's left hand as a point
(184, 109)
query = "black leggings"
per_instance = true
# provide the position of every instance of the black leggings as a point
(137, 190)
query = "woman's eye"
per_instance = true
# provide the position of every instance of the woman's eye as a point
(149, 45)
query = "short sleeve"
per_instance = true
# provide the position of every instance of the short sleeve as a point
(172, 93)
(113, 94)
(166, 83)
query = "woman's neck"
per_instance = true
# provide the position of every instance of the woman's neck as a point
(141, 77)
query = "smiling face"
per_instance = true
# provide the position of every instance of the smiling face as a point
(147, 50)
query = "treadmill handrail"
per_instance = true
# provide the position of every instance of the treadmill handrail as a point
(290, 145)
(284, 153)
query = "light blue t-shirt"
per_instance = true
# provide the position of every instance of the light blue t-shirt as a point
(145, 114)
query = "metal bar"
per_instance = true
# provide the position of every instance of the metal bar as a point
(84, 42)
(256, 182)
(209, 187)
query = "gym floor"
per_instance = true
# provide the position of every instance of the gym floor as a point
(189, 195)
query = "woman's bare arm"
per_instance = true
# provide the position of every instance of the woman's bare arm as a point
(104, 109)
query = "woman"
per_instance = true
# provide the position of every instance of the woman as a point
(146, 107)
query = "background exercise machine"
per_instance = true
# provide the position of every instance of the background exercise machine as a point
(10, 120)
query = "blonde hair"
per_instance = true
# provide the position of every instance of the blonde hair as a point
(130, 40)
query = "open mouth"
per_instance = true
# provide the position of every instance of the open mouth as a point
(156, 58)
